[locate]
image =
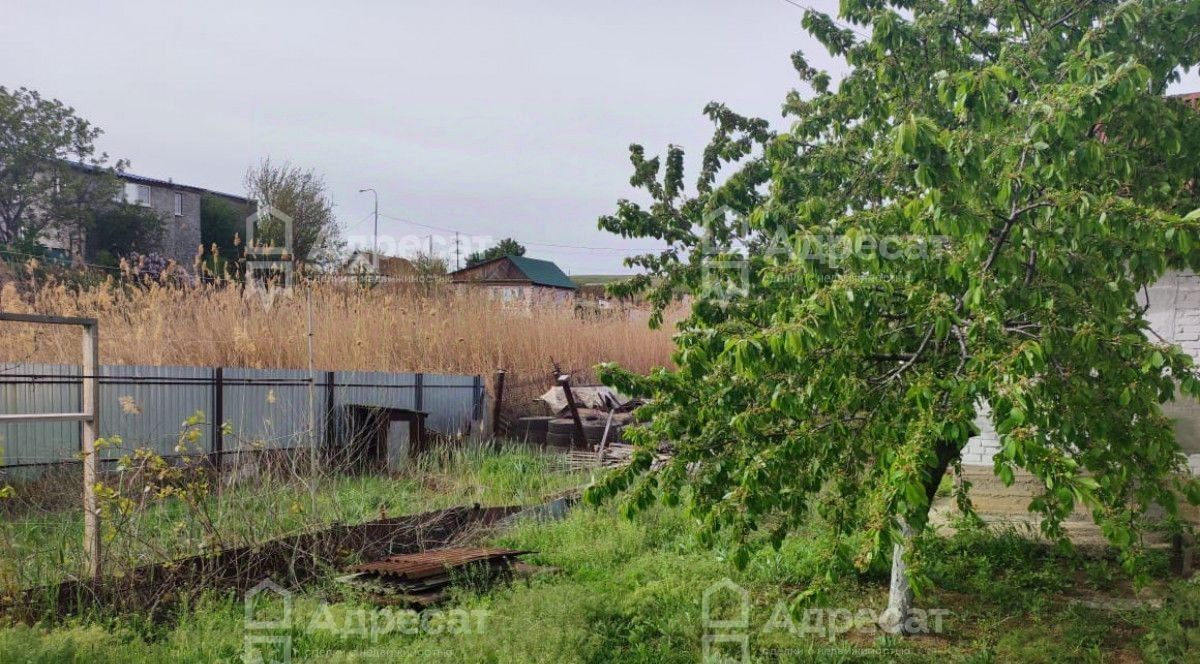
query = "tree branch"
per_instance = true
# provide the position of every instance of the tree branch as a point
(915, 356)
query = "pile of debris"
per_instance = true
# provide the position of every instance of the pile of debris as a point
(423, 579)
(586, 417)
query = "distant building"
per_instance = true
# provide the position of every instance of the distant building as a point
(392, 267)
(519, 281)
(177, 204)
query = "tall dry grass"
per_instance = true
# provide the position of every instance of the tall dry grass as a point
(386, 328)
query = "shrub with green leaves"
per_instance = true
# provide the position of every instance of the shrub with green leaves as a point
(971, 215)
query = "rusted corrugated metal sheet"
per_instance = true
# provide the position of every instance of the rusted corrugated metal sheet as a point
(414, 566)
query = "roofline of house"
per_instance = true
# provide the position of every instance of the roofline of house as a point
(380, 256)
(529, 281)
(472, 267)
(142, 179)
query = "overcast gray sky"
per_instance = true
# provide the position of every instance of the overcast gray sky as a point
(492, 119)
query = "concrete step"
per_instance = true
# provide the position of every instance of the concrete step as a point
(1082, 531)
(1003, 506)
(991, 497)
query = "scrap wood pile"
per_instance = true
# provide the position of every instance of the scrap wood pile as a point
(423, 579)
(611, 456)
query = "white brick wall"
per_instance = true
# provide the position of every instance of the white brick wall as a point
(1175, 315)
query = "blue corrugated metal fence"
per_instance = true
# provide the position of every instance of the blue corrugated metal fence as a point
(146, 406)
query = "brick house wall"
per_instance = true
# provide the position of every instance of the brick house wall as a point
(1175, 315)
(181, 233)
(524, 295)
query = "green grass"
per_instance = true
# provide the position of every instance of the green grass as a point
(631, 591)
(40, 547)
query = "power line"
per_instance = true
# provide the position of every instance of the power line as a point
(417, 223)
(359, 222)
(847, 26)
(630, 250)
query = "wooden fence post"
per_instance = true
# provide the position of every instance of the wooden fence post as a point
(91, 462)
(218, 420)
(332, 419)
(497, 403)
(565, 381)
(477, 400)
(88, 415)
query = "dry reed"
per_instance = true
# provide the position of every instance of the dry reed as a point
(386, 328)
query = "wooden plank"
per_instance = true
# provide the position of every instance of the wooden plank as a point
(604, 438)
(44, 417)
(47, 320)
(91, 462)
(498, 403)
(565, 382)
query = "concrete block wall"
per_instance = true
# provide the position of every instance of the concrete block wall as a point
(1175, 315)
(980, 449)
(181, 233)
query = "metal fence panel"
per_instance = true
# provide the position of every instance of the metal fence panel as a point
(452, 403)
(373, 388)
(38, 388)
(146, 406)
(268, 408)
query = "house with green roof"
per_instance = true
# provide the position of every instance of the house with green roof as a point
(519, 281)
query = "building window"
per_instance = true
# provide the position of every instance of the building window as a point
(178, 204)
(138, 194)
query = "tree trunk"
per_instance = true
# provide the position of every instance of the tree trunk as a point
(900, 596)
(895, 619)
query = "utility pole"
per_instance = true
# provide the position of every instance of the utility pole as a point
(456, 252)
(312, 413)
(375, 239)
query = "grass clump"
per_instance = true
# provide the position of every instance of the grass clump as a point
(39, 548)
